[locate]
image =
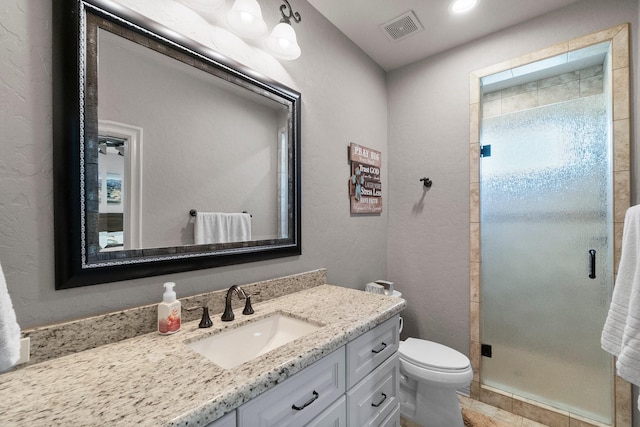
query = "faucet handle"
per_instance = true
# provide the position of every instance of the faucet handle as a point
(247, 306)
(205, 321)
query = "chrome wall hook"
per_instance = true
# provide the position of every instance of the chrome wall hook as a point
(427, 182)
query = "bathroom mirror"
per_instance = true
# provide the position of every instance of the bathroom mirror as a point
(153, 131)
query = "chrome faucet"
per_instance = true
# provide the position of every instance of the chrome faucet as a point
(228, 315)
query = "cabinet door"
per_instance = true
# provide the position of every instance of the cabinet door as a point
(370, 349)
(228, 420)
(371, 401)
(300, 398)
(334, 416)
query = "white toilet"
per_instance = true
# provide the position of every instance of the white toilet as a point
(430, 374)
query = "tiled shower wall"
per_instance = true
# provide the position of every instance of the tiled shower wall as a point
(565, 87)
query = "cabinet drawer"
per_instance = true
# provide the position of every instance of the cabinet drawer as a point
(393, 420)
(334, 416)
(228, 420)
(375, 397)
(370, 349)
(300, 398)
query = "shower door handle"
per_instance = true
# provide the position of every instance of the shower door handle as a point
(592, 263)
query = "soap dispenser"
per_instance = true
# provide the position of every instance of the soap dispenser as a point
(169, 311)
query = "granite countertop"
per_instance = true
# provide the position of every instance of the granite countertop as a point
(157, 380)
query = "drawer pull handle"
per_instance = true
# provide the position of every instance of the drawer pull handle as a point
(384, 397)
(307, 403)
(380, 348)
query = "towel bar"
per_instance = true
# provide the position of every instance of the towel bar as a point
(194, 212)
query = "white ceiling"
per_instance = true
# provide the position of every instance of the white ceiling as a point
(360, 20)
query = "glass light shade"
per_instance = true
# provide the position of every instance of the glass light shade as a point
(282, 43)
(205, 5)
(245, 19)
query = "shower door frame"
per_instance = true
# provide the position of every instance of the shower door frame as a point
(621, 128)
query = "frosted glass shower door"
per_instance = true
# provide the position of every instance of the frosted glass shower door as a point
(545, 201)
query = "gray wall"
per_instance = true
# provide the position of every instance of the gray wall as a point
(334, 78)
(428, 247)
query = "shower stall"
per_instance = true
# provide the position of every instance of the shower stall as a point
(547, 262)
(546, 238)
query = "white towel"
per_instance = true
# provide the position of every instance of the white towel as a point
(621, 332)
(9, 329)
(218, 227)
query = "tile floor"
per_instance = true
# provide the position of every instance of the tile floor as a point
(478, 414)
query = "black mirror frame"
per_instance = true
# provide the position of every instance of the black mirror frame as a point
(71, 267)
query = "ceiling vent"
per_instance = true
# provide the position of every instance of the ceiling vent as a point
(402, 27)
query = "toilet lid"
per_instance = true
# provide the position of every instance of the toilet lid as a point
(429, 354)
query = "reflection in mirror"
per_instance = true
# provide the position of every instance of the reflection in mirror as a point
(111, 191)
(119, 158)
(168, 130)
(210, 145)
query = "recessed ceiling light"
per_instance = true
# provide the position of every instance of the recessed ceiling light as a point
(462, 6)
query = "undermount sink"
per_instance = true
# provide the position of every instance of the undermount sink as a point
(236, 346)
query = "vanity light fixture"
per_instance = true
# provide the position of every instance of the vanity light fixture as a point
(462, 6)
(245, 19)
(207, 6)
(283, 43)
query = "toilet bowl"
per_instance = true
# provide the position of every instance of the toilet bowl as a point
(430, 374)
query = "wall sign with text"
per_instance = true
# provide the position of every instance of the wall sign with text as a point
(365, 187)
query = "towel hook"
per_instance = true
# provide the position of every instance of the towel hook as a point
(427, 182)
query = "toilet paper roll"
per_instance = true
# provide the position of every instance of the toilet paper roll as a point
(387, 284)
(374, 288)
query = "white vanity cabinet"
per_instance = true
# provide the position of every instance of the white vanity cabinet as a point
(374, 398)
(373, 377)
(228, 420)
(393, 420)
(334, 416)
(300, 398)
(355, 386)
(370, 349)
